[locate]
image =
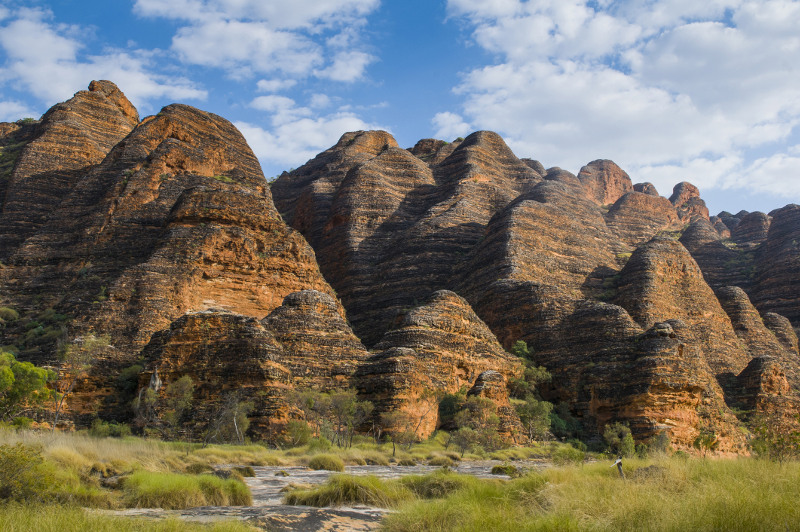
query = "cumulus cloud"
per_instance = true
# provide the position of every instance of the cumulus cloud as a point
(297, 133)
(47, 60)
(347, 66)
(450, 125)
(275, 85)
(248, 37)
(292, 143)
(11, 111)
(669, 89)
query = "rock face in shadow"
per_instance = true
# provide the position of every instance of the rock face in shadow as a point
(227, 356)
(661, 281)
(379, 216)
(777, 264)
(439, 347)
(303, 344)
(53, 155)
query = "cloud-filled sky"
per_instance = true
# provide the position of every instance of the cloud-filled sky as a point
(671, 90)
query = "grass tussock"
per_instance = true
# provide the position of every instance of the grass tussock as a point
(176, 491)
(342, 490)
(329, 462)
(26, 517)
(694, 494)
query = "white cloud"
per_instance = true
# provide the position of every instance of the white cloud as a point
(450, 126)
(11, 111)
(290, 144)
(294, 14)
(347, 66)
(776, 174)
(247, 37)
(275, 85)
(669, 89)
(319, 101)
(46, 60)
(243, 48)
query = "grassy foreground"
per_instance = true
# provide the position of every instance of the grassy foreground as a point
(51, 518)
(667, 494)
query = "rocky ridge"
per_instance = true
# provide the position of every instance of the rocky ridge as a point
(163, 234)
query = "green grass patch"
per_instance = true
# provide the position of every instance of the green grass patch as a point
(144, 489)
(677, 494)
(51, 518)
(342, 490)
(329, 462)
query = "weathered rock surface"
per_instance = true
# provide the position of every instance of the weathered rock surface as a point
(686, 199)
(636, 217)
(604, 181)
(379, 216)
(71, 138)
(777, 264)
(752, 229)
(303, 344)
(437, 348)
(225, 355)
(319, 347)
(660, 282)
(646, 188)
(759, 340)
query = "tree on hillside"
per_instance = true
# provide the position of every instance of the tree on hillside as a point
(535, 417)
(776, 438)
(619, 440)
(23, 386)
(228, 423)
(76, 358)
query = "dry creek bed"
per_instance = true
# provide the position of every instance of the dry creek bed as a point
(269, 513)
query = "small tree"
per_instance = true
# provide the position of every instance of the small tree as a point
(229, 421)
(400, 426)
(23, 386)
(775, 438)
(480, 415)
(76, 359)
(706, 441)
(619, 440)
(177, 401)
(535, 417)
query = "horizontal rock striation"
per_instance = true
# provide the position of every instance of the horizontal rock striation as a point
(439, 347)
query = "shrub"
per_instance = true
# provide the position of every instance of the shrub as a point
(145, 489)
(23, 476)
(619, 440)
(245, 471)
(505, 469)
(567, 454)
(198, 468)
(329, 462)
(318, 444)
(105, 429)
(8, 314)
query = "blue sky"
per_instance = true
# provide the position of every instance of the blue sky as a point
(671, 90)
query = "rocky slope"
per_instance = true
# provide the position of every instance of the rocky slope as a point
(163, 234)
